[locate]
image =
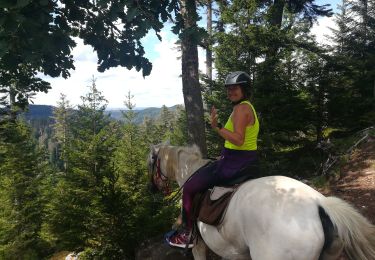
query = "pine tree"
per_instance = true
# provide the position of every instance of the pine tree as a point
(179, 135)
(267, 46)
(151, 131)
(353, 95)
(132, 143)
(62, 116)
(22, 171)
(138, 214)
(77, 211)
(165, 123)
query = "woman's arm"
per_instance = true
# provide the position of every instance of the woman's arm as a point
(241, 117)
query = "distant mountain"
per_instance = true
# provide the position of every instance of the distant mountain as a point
(39, 112)
(140, 114)
(46, 112)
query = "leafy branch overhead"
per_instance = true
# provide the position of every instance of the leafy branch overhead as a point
(40, 33)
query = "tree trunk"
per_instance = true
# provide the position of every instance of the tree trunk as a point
(209, 45)
(223, 4)
(275, 17)
(12, 104)
(276, 13)
(321, 104)
(320, 113)
(275, 20)
(190, 78)
(365, 21)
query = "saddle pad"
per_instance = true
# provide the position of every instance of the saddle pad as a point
(212, 211)
(212, 205)
(217, 192)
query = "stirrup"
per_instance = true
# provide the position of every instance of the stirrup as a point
(181, 239)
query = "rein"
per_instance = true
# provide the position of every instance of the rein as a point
(159, 177)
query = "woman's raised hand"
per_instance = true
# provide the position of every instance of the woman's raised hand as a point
(213, 117)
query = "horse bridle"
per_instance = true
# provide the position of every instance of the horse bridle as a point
(158, 178)
(161, 182)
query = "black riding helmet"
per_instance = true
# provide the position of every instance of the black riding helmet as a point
(237, 78)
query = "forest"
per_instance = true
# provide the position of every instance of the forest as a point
(79, 181)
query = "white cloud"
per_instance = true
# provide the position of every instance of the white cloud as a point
(162, 87)
(322, 29)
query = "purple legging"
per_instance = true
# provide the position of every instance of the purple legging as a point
(218, 172)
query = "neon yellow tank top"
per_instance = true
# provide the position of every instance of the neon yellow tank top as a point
(251, 133)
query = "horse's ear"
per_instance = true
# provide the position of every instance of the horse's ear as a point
(197, 150)
(154, 149)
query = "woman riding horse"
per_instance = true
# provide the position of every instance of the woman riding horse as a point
(240, 134)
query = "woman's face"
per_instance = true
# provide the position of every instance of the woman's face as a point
(234, 93)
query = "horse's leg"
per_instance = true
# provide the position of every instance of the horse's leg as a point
(199, 250)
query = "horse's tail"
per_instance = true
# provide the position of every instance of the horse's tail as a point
(354, 231)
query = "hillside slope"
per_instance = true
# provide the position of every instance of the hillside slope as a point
(357, 182)
(45, 112)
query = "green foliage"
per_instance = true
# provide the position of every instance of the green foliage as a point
(62, 116)
(99, 203)
(172, 126)
(353, 93)
(319, 182)
(179, 135)
(37, 36)
(20, 85)
(22, 171)
(214, 95)
(268, 53)
(40, 33)
(299, 88)
(75, 210)
(144, 215)
(94, 198)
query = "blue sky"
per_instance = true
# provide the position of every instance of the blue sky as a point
(333, 3)
(162, 87)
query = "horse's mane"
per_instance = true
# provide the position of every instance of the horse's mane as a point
(171, 154)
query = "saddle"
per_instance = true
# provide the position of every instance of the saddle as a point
(210, 206)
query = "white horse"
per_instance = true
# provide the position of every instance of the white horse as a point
(271, 218)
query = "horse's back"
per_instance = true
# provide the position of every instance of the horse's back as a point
(272, 196)
(281, 185)
(274, 212)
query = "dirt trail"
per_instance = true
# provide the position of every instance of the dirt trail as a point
(357, 182)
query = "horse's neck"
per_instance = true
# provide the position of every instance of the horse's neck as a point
(187, 166)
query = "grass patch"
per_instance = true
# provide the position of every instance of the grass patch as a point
(305, 159)
(319, 182)
(299, 161)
